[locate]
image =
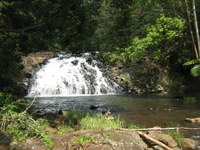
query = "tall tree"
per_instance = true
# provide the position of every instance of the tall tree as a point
(196, 27)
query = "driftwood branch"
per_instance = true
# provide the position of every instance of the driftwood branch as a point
(159, 129)
(154, 141)
(28, 107)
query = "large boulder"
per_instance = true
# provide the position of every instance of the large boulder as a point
(140, 77)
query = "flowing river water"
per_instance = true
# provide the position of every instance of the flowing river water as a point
(145, 111)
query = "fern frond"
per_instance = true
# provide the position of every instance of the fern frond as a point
(191, 62)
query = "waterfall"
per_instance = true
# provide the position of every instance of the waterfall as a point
(66, 76)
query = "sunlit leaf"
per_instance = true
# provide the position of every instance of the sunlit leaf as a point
(191, 62)
(195, 71)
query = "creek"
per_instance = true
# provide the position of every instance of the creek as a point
(145, 111)
(79, 82)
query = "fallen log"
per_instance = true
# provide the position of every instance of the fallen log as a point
(154, 141)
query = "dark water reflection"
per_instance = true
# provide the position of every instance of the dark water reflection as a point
(147, 111)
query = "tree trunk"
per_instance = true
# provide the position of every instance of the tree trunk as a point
(196, 27)
(191, 31)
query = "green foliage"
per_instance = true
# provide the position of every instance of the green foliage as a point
(41, 26)
(190, 100)
(192, 62)
(133, 126)
(165, 29)
(17, 123)
(63, 129)
(83, 140)
(11, 103)
(195, 70)
(177, 136)
(157, 42)
(99, 121)
(73, 117)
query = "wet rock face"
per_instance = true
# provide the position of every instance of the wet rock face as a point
(140, 77)
(32, 61)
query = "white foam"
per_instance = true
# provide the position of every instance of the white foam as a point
(71, 76)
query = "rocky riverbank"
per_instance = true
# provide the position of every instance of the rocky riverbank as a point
(127, 139)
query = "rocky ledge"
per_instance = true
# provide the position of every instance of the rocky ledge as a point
(118, 139)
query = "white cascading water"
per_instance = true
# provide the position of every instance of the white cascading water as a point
(62, 76)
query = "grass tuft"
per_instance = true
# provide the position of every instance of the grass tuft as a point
(99, 121)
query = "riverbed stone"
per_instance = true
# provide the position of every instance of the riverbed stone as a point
(193, 120)
(164, 138)
(190, 144)
(29, 144)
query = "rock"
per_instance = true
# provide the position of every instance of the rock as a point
(190, 144)
(193, 120)
(75, 62)
(101, 139)
(108, 140)
(30, 144)
(93, 107)
(31, 61)
(164, 138)
(4, 141)
(99, 147)
(126, 141)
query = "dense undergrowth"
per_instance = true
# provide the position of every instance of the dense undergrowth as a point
(19, 124)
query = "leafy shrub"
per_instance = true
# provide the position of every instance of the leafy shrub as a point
(17, 123)
(190, 100)
(195, 69)
(156, 44)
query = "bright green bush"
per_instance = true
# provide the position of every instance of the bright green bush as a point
(158, 43)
